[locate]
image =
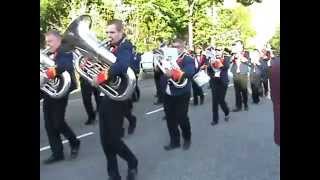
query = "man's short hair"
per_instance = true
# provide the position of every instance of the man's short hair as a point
(54, 33)
(118, 23)
(177, 40)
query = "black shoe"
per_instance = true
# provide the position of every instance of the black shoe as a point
(171, 146)
(201, 100)
(213, 123)
(53, 159)
(122, 132)
(186, 145)
(195, 100)
(75, 149)
(131, 129)
(236, 110)
(132, 174)
(157, 103)
(246, 108)
(132, 125)
(226, 118)
(114, 178)
(90, 120)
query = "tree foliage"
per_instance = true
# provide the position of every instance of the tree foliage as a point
(148, 22)
(232, 24)
(275, 41)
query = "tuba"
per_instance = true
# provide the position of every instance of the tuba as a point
(57, 87)
(93, 57)
(165, 59)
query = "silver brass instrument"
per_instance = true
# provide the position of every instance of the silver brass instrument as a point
(95, 57)
(57, 87)
(165, 59)
(201, 78)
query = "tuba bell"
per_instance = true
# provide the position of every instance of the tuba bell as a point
(57, 87)
(165, 59)
(93, 57)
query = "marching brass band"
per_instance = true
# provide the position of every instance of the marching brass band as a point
(105, 70)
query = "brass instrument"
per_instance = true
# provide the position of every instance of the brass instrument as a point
(93, 57)
(57, 87)
(165, 59)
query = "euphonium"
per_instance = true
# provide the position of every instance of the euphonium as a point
(93, 57)
(57, 87)
(165, 59)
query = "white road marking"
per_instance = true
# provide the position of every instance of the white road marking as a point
(65, 141)
(157, 110)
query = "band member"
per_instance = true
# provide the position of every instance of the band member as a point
(266, 63)
(135, 65)
(54, 109)
(218, 70)
(275, 96)
(255, 76)
(197, 91)
(240, 70)
(86, 91)
(111, 112)
(176, 100)
(207, 53)
(157, 73)
(130, 117)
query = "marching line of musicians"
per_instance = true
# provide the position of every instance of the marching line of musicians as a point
(214, 61)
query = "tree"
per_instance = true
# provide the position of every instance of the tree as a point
(195, 6)
(248, 2)
(149, 21)
(275, 41)
(51, 12)
(57, 14)
(232, 24)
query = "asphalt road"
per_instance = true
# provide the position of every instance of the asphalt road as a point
(241, 149)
